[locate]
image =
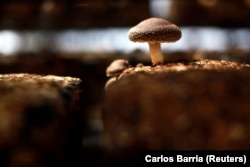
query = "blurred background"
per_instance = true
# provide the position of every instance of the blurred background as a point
(80, 38)
(77, 26)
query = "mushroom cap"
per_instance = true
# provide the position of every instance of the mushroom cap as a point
(154, 30)
(116, 67)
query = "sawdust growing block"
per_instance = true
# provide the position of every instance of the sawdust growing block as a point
(179, 106)
(37, 125)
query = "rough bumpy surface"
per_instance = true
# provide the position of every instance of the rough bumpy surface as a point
(185, 66)
(180, 106)
(37, 125)
(154, 30)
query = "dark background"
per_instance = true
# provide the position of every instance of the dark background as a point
(62, 15)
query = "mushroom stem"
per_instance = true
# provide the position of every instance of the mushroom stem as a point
(155, 53)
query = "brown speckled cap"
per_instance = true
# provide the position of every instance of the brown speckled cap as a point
(155, 30)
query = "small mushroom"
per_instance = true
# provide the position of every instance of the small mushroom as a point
(116, 67)
(155, 31)
(114, 70)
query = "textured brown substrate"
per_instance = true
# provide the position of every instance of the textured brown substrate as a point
(179, 106)
(37, 125)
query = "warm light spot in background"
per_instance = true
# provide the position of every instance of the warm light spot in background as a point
(247, 3)
(207, 3)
